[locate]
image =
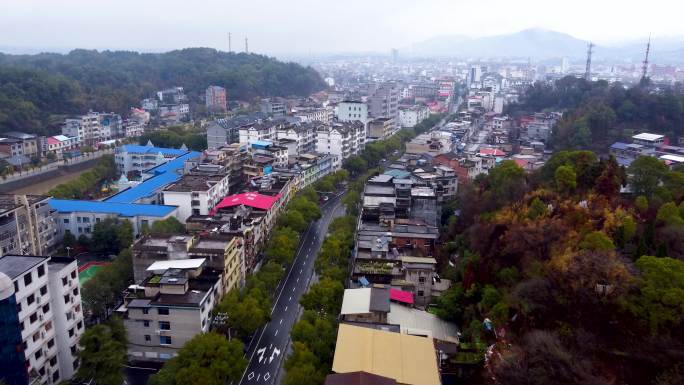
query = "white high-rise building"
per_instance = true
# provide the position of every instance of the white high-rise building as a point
(48, 312)
(474, 75)
(341, 140)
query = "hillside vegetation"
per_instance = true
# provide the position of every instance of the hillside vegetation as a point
(36, 91)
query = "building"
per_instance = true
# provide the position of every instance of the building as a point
(272, 108)
(313, 114)
(48, 312)
(474, 75)
(169, 307)
(30, 144)
(410, 116)
(79, 217)
(302, 135)
(381, 128)
(367, 304)
(222, 132)
(350, 110)
(133, 160)
(383, 101)
(196, 194)
(340, 140)
(223, 253)
(215, 99)
(407, 359)
(58, 144)
(27, 225)
(87, 129)
(260, 131)
(649, 140)
(358, 378)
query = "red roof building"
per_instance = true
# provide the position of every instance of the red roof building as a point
(251, 199)
(401, 296)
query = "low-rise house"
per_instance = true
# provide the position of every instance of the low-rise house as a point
(368, 304)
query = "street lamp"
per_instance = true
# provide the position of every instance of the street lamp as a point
(68, 249)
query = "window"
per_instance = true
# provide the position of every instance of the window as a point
(79, 325)
(163, 311)
(46, 308)
(67, 298)
(146, 323)
(73, 274)
(65, 281)
(36, 336)
(53, 361)
(78, 219)
(66, 220)
(75, 364)
(55, 376)
(420, 293)
(73, 350)
(33, 318)
(41, 271)
(71, 332)
(75, 291)
(28, 279)
(51, 343)
(146, 311)
(21, 325)
(30, 299)
(421, 279)
(147, 338)
(164, 340)
(39, 353)
(41, 371)
(164, 325)
(43, 290)
(16, 286)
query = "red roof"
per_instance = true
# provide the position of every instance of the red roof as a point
(492, 151)
(251, 199)
(521, 162)
(401, 296)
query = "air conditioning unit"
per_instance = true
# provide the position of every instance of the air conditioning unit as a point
(38, 300)
(72, 299)
(71, 282)
(40, 317)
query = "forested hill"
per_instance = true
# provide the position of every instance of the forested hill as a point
(598, 113)
(37, 90)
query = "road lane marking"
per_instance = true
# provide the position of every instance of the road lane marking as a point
(297, 282)
(276, 334)
(293, 289)
(289, 299)
(286, 309)
(281, 322)
(300, 271)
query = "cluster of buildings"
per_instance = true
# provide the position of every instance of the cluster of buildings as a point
(647, 144)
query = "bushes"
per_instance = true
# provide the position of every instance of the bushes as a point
(103, 353)
(102, 291)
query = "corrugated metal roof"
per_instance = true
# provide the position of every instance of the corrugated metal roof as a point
(152, 150)
(193, 263)
(122, 209)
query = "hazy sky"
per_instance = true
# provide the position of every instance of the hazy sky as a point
(303, 26)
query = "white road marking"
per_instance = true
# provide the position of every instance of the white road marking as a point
(267, 376)
(300, 271)
(276, 334)
(297, 282)
(276, 352)
(281, 322)
(289, 299)
(286, 309)
(293, 289)
(250, 376)
(258, 377)
(261, 353)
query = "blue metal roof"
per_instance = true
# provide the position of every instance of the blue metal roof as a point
(261, 143)
(122, 209)
(166, 174)
(399, 174)
(153, 150)
(619, 146)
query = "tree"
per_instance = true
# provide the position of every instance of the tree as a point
(597, 241)
(566, 179)
(646, 173)
(208, 358)
(294, 220)
(282, 245)
(170, 225)
(537, 209)
(102, 354)
(660, 301)
(246, 312)
(356, 165)
(324, 296)
(670, 215)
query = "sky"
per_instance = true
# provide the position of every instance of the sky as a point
(282, 27)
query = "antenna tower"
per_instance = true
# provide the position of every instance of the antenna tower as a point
(587, 70)
(644, 67)
(230, 47)
(246, 46)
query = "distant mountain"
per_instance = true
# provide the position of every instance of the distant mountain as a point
(534, 43)
(540, 44)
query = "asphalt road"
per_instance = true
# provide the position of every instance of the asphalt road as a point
(265, 355)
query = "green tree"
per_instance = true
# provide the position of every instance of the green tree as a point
(170, 225)
(597, 241)
(282, 245)
(660, 301)
(324, 296)
(246, 312)
(566, 179)
(646, 173)
(294, 220)
(102, 354)
(669, 214)
(208, 358)
(537, 209)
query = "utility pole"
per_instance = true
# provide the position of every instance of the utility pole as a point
(230, 48)
(246, 46)
(587, 71)
(644, 67)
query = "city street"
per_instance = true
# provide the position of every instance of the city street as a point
(266, 353)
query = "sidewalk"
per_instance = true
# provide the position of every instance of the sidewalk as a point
(54, 165)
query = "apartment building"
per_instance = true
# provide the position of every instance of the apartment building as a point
(132, 159)
(58, 144)
(222, 132)
(313, 114)
(196, 194)
(380, 128)
(410, 116)
(222, 253)
(383, 101)
(302, 135)
(30, 144)
(272, 108)
(48, 315)
(87, 129)
(340, 140)
(27, 225)
(215, 99)
(169, 307)
(350, 110)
